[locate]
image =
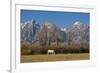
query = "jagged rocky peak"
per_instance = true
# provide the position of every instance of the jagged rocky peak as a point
(78, 25)
(27, 23)
(49, 24)
(28, 30)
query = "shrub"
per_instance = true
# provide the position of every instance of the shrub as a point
(26, 52)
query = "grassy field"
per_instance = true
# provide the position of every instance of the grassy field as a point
(56, 57)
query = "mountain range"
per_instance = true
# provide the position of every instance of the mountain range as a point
(48, 32)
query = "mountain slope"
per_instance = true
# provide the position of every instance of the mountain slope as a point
(28, 31)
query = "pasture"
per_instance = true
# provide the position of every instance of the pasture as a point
(54, 57)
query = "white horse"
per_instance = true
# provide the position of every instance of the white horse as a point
(50, 52)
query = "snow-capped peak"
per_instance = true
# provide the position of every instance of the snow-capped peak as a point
(63, 29)
(78, 23)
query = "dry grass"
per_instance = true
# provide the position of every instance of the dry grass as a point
(56, 57)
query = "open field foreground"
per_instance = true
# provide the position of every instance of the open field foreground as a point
(56, 57)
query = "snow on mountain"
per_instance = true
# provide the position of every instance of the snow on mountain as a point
(77, 32)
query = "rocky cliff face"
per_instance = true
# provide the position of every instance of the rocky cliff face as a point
(28, 31)
(78, 32)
